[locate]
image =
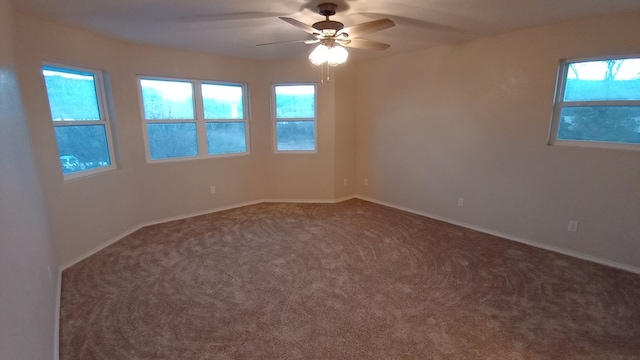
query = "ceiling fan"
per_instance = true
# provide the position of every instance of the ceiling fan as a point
(333, 37)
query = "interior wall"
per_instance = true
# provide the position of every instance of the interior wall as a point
(83, 213)
(302, 176)
(345, 131)
(467, 121)
(87, 213)
(177, 188)
(28, 271)
(472, 121)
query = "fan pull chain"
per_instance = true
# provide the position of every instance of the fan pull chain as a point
(322, 71)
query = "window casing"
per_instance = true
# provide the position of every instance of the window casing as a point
(77, 103)
(294, 114)
(191, 119)
(597, 103)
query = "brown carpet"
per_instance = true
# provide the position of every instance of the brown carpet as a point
(353, 280)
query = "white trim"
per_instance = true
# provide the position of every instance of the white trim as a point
(571, 253)
(339, 200)
(112, 241)
(275, 119)
(86, 173)
(308, 201)
(597, 144)
(318, 201)
(104, 111)
(199, 119)
(121, 236)
(559, 104)
(536, 244)
(56, 326)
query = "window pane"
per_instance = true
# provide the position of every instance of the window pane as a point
(72, 94)
(600, 123)
(172, 140)
(165, 99)
(222, 101)
(295, 101)
(226, 138)
(82, 147)
(295, 135)
(604, 80)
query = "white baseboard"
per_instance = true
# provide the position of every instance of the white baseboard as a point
(199, 213)
(571, 253)
(180, 217)
(323, 201)
(56, 335)
(339, 200)
(329, 201)
(120, 236)
(308, 201)
(111, 242)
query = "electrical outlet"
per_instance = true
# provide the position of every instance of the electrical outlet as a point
(344, 181)
(366, 182)
(213, 190)
(573, 226)
(460, 201)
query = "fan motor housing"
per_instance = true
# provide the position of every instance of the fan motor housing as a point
(328, 25)
(327, 9)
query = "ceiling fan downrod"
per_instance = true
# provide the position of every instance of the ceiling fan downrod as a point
(328, 27)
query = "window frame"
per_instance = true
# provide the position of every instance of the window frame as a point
(103, 111)
(275, 118)
(199, 119)
(559, 104)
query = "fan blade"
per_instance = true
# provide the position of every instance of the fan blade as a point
(291, 42)
(367, 28)
(363, 44)
(228, 17)
(300, 25)
(407, 21)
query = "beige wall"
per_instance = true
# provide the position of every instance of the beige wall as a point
(466, 121)
(345, 130)
(87, 213)
(472, 121)
(424, 128)
(28, 271)
(301, 176)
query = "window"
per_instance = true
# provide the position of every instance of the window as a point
(193, 119)
(80, 120)
(598, 103)
(224, 113)
(295, 117)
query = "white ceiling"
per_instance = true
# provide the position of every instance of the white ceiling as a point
(234, 27)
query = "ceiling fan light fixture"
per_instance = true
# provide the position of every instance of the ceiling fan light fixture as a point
(334, 37)
(337, 55)
(319, 55)
(333, 55)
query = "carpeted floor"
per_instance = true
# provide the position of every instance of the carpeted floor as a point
(353, 280)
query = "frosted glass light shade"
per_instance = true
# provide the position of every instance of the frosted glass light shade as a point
(319, 55)
(337, 55)
(334, 55)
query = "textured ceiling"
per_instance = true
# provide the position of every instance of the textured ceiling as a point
(233, 28)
